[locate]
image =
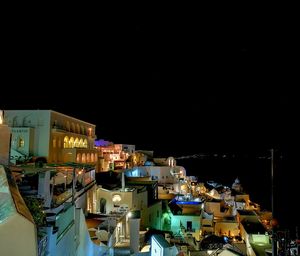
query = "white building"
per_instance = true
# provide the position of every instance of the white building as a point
(160, 247)
(130, 199)
(163, 174)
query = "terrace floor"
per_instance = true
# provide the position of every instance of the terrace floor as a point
(92, 226)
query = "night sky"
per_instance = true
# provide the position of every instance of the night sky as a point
(175, 84)
(172, 82)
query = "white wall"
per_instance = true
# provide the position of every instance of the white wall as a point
(161, 172)
(126, 198)
(158, 249)
(40, 120)
(155, 221)
(27, 134)
(176, 219)
(18, 236)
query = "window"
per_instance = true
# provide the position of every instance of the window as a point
(67, 126)
(103, 205)
(83, 158)
(76, 143)
(54, 143)
(71, 142)
(66, 142)
(21, 143)
(80, 143)
(73, 127)
(85, 143)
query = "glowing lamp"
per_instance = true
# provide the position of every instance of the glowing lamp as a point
(274, 223)
(116, 198)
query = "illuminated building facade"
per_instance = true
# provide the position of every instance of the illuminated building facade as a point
(47, 134)
(113, 156)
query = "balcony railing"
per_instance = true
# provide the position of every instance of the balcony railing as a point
(64, 219)
(42, 245)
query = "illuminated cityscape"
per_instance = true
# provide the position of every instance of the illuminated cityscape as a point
(173, 132)
(65, 193)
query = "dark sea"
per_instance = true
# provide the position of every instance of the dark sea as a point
(255, 175)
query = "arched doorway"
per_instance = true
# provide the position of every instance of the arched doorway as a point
(103, 205)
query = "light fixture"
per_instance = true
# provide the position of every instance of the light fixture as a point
(116, 198)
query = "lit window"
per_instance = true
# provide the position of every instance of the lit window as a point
(21, 143)
(66, 142)
(76, 143)
(71, 142)
(80, 143)
(83, 159)
(85, 144)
